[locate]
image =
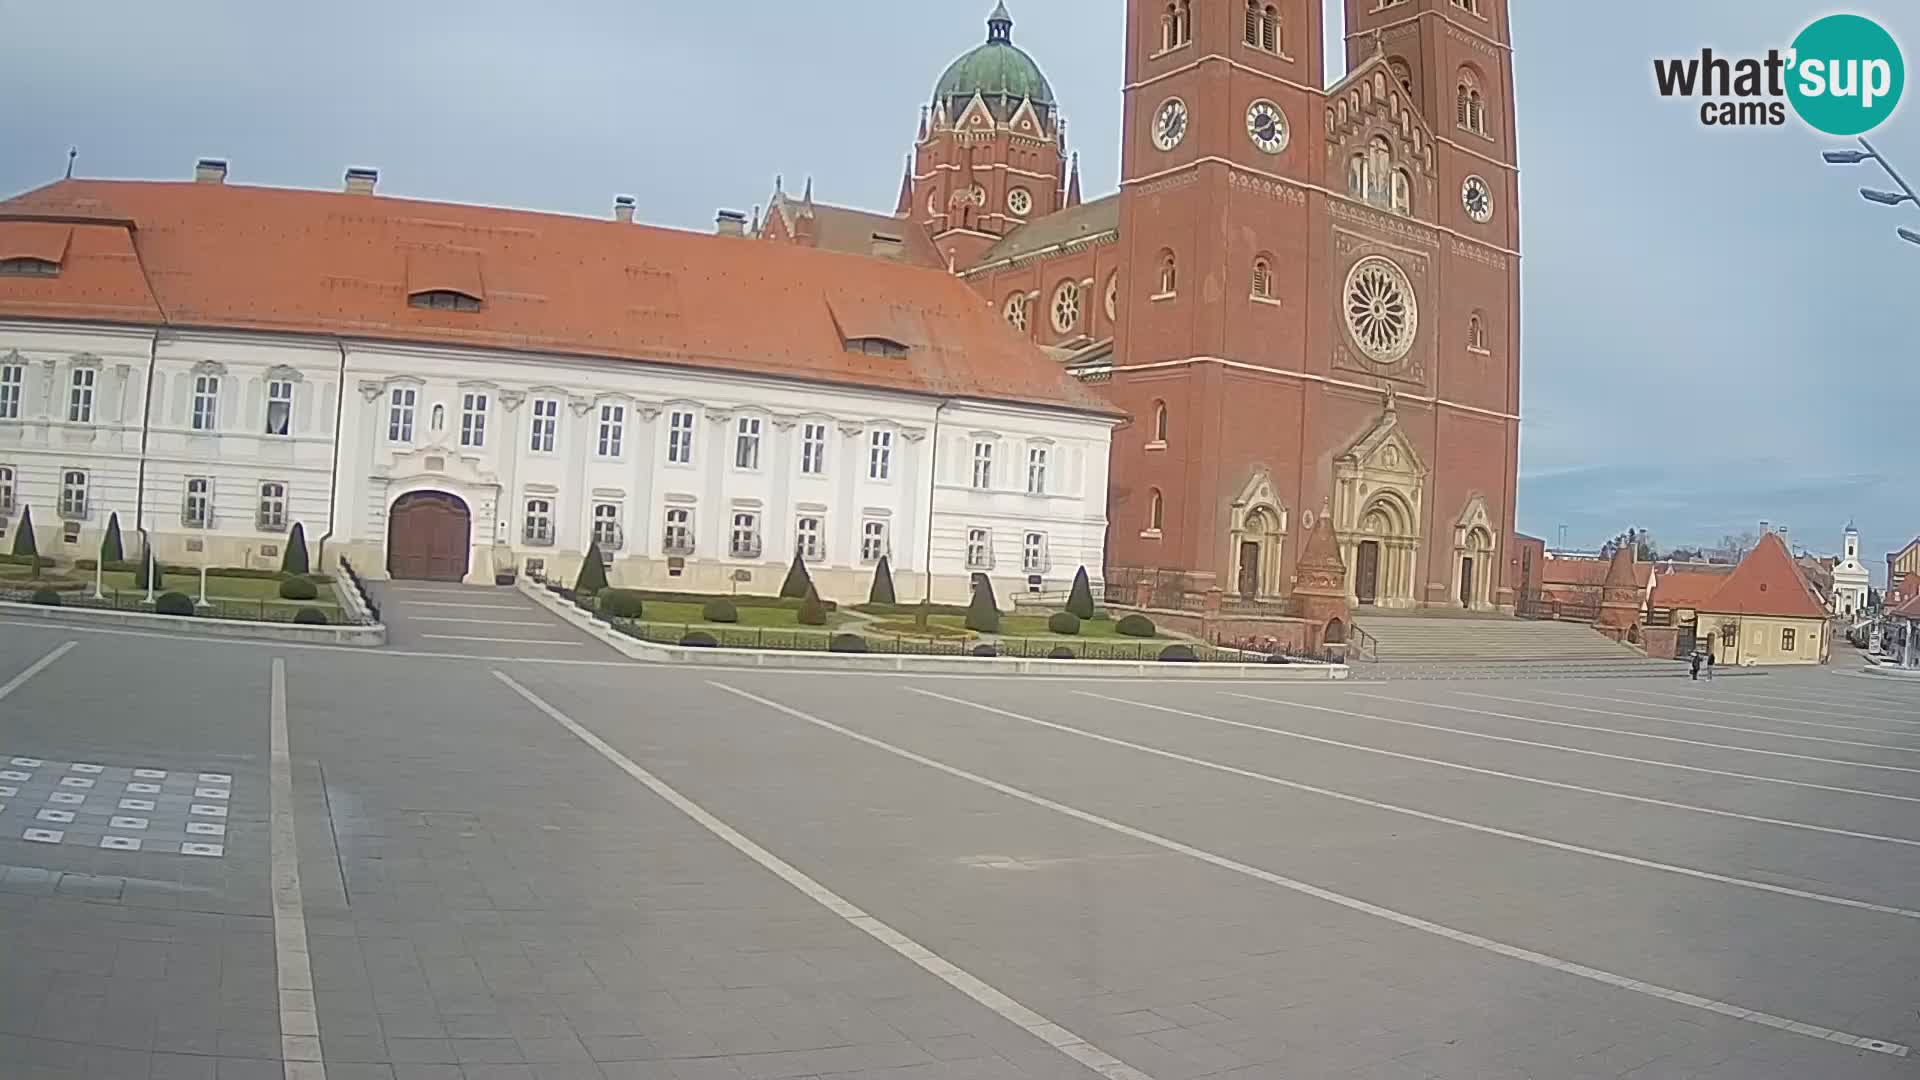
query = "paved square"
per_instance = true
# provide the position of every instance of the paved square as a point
(116, 808)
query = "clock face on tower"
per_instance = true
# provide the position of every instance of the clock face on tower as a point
(1267, 127)
(1477, 198)
(1170, 124)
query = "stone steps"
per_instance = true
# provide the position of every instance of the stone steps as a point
(1407, 639)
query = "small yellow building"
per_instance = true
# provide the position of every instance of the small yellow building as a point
(1765, 612)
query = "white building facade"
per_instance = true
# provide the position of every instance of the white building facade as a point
(1852, 582)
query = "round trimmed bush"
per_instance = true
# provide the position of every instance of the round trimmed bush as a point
(720, 610)
(1179, 654)
(1135, 625)
(699, 639)
(311, 616)
(1279, 658)
(984, 649)
(847, 643)
(298, 588)
(173, 603)
(46, 597)
(1064, 622)
(621, 604)
(1061, 652)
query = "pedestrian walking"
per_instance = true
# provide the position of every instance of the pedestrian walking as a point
(1696, 667)
(1709, 665)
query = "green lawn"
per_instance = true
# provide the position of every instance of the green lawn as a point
(236, 590)
(1026, 626)
(676, 613)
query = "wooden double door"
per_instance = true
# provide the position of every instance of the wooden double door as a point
(429, 537)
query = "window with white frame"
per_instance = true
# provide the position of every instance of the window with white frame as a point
(73, 494)
(746, 443)
(546, 425)
(679, 537)
(80, 396)
(744, 541)
(13, 379)
(400, 406)
(473, 420)
(279, 406)
(198, 510)
(613, 429)
(607, 534)
(1033, 553)
(983, 465)
(272, 513)
(539, 522)
(809, 538)
(979, 549)
(873, 541)
(813, 449)
(880, 455)
(6, 490)
(680, 438)
(206, 402)
(1036, 470)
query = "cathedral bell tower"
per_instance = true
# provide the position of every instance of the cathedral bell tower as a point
(991, 153)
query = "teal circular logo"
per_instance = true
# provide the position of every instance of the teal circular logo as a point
(1847, 75)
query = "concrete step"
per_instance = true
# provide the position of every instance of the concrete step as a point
(1426, 640)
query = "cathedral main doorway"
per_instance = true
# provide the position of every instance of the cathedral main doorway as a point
(1249, 583)
(1366, 573)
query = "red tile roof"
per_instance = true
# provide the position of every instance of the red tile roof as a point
(226, 256)
(1587, 572)
(1767, 582)
(1686, 588)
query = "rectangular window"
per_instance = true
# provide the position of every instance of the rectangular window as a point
(746, 446)
(1787, 640)
(679, 538)
(400, 405)
(279, 406)
(539, 524)
(6, 490)
(983, 465)
(809, 543)
(745, 538)
(473, 420)
(880, 456)
(607, 534)
(1033, 554)
(1036, 470)
(813, 449)
(12, 378)
(80, 397)
(613, 428)
(979, 549)
(73, 494)
(873, 541)
(198, 513)
(272, 515)
(546, 424)
(680, 438)
(206, 402)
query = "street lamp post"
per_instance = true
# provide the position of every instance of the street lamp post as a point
(1877, 195)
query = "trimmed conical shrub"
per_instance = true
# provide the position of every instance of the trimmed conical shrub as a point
(23, 542)
(111, 549)
(882, 591)
(1080, 600)
(593, 573)
(983, 613)
(798, 582)
(812, 611)
(294, 562)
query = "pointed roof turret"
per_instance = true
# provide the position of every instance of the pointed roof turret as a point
(1000, 24)
(1073, 184)
(905, 204)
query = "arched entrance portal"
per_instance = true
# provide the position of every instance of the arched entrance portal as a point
(429, 537)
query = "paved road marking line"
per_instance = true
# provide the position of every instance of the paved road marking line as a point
(481, 622)
(1730, 727)
(1644, 734)
(1647, 799)
(299, 1027)
(1351, 903)
(1743, 702)
(36, 668)
(1046, 1030)
(1584, 752)
(502, 640)
(522, 608)
(1796, 703)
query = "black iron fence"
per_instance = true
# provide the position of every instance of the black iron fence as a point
(261, 610)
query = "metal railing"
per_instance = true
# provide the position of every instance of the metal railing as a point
(261, 610)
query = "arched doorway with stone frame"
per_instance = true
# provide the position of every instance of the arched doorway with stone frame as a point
(1475, 558)
(1256, 542)
(1378, 484)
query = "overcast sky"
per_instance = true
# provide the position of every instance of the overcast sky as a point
(1717, 330)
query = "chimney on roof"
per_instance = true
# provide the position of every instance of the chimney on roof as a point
(1766, 527)
(623, 209)
(362, 181)
(888, 246)
(730, 223)
(210, 170)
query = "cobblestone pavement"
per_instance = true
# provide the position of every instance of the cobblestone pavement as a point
(453, 864)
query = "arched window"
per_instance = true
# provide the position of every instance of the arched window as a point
(1470, 106)
(1469, 6)
(1476, 333)
(1169, 274)
(1402, 192)
(1183, 22)
(1263, 26)
(1016, 311)
(1402, 73)
(1357, 176)
(1160, 421)
(1166, 29)
(1156, 509)
(1263, 278)
(1066, 307)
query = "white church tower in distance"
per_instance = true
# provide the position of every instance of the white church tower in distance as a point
(1850, 579)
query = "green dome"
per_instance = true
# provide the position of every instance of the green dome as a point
(998, 71)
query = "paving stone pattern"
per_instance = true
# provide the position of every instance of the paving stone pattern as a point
(114, 807)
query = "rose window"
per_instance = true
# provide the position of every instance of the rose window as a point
(1381, 313)
(1017, 312)
(1066, 307)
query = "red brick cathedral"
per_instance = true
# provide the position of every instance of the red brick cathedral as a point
(1306, 297)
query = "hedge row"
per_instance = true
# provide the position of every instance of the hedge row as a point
(790, 603)
(25, 560)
